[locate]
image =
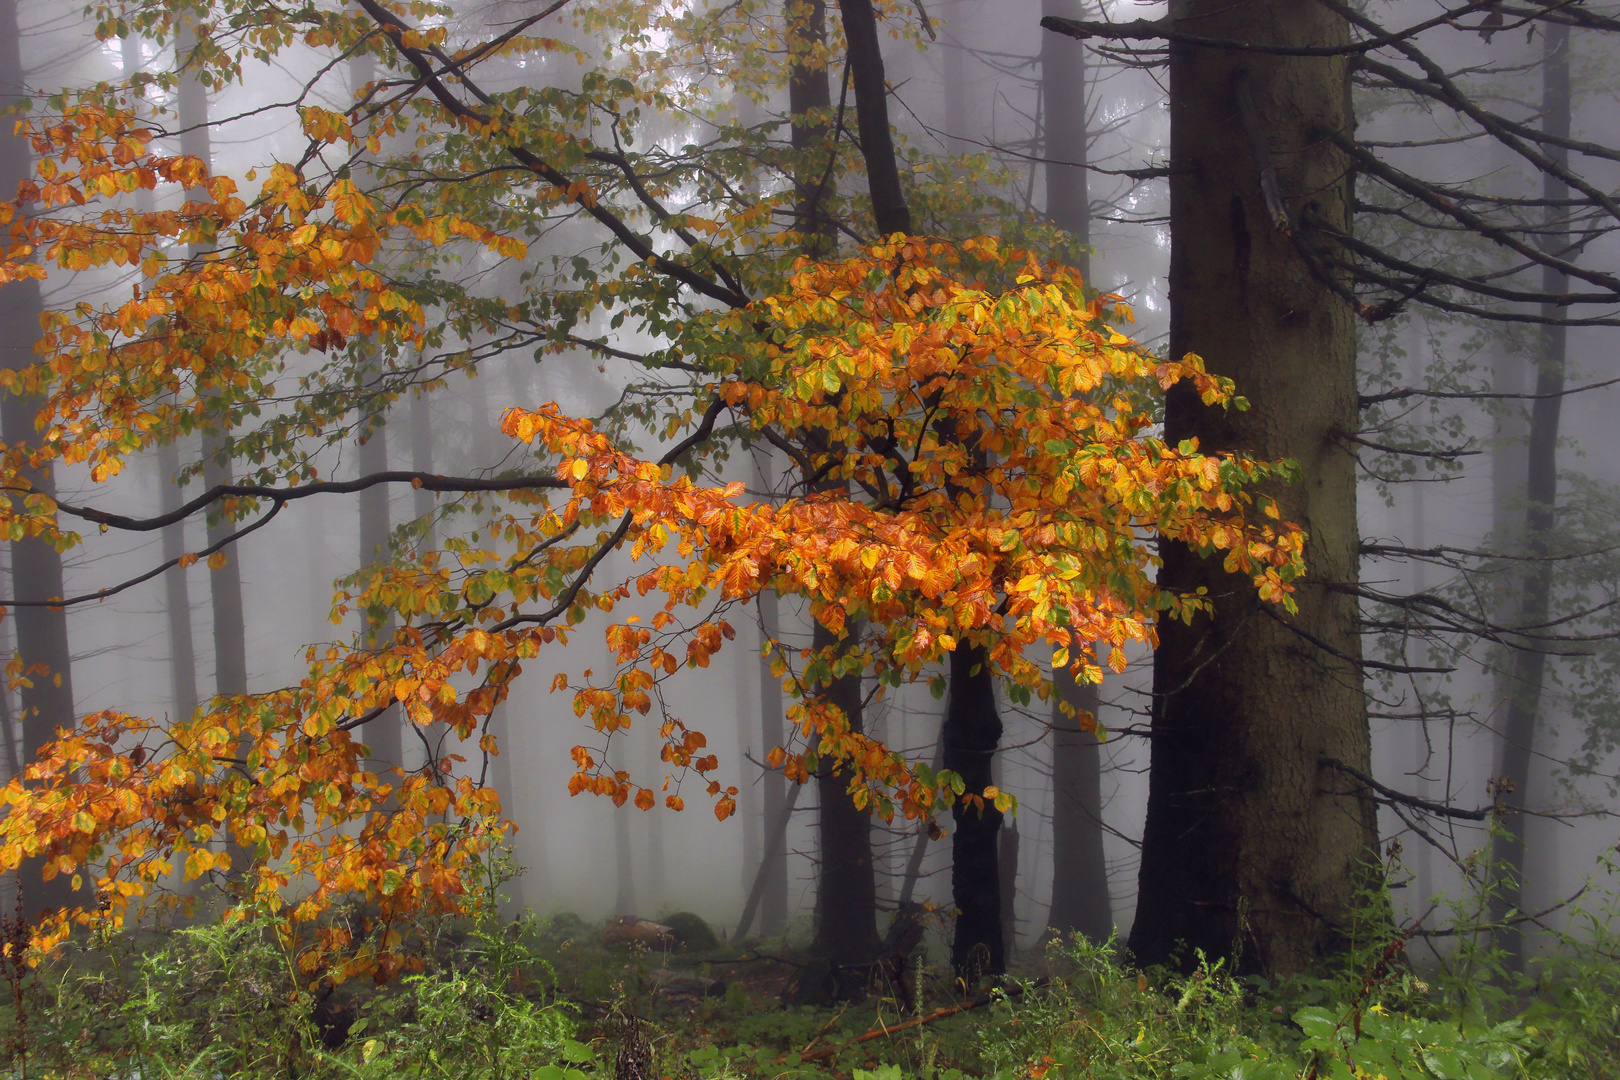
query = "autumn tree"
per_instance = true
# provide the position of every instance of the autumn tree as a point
(978, 484)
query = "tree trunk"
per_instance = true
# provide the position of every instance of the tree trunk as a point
(225, 582)
(846, 899)
(176, 587)
(971, 733)
(872, 114)
(36, 566)
(177, 591)
(1065, 135)
(1080, 900)
(1008, 862)
(773, 785)
(383, 735)
(1541, 496)
(1249, 852)
(624, 896)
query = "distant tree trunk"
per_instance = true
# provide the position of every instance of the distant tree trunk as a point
(383, 735)
(421, 420)
(971, 734)
(225, 582)
(773, 785)
(1541, 496)
(624, 896)
(176, 587)
(846, 900)
(177, 591)
(36, 566)
(1080, 901)
(1250, 850)
(500, 778)
(1007, 859)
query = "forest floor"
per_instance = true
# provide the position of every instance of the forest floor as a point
(558, 998)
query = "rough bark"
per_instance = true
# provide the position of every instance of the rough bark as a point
(1249, 851)
(846, 896)
(971, 733)
(36, 566)
(1518, 735)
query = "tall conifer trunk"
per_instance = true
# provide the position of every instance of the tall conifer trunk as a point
(1541, 496)
(1250, 848)
(36, 566)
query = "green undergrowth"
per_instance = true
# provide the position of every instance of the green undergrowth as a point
(543, 999)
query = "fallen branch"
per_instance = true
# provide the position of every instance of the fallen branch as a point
(884, 1030)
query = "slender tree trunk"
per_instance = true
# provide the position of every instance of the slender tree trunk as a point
(176, 587)
(972, 725)
(971, 734)
(1250, 851)
(809, 101)
(36, 566)
(846, 901)
(1541, 497)
(383, 735)
(624, 896)
(1080, 901)
(1007, 860)
(773, 785)
(177, 591)
(501, 779)
(872, 114)
(225, 582)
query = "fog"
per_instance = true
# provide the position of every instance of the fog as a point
(969, 97)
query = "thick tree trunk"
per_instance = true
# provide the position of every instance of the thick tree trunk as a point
(1541, 496)
(1249, 851)
(1080, 901)
(971, 733)
(846, 898)
(36, 566)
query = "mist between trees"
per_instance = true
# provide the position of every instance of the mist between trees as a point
(633, 389)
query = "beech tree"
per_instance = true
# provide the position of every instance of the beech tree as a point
(1260, 824)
